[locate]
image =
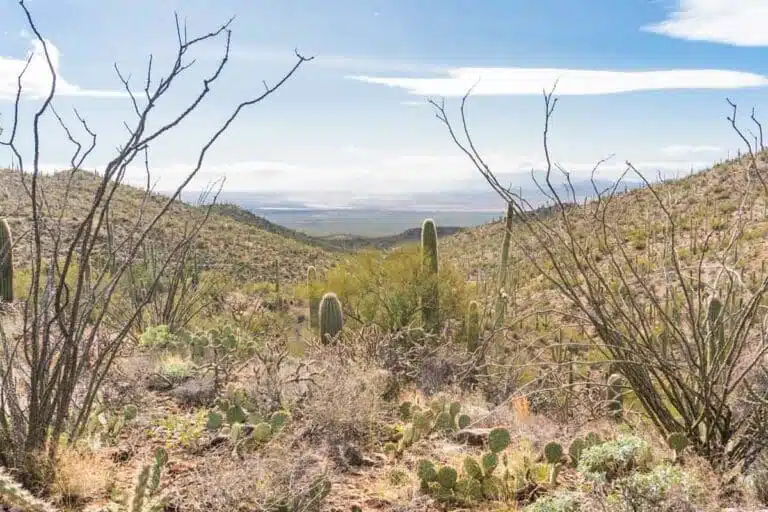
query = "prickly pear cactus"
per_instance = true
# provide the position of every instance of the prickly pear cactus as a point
(331, 317)
(463, 421)
(472, 468)
(553, 452)
(214, 420)
(278, 420)
(498, 440)
(262, 432)
(426, 471)
(447, 477)
(575, 450)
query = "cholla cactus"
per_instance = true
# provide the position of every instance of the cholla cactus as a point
(429, 266)
(145, 497)
(14, 495)
(614, 395)
(331, 317)
(6, 262)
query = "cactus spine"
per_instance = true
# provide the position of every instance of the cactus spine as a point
(429, 300)
(314, 299)
(6, 262)
(331, 318)
(501, 299)
(473, 326)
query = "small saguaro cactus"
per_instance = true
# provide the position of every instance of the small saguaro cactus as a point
(472, 326)
(331, 318)
(716, 330)
(6, 262)
(614, 395)
(313, 297)
(501, 300)
(429, 267)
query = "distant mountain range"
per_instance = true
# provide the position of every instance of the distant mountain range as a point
(472, 198)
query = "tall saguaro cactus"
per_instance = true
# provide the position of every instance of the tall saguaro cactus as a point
(429, 300)
(472, 326)
(501, 300)
(313, 297)
(6, 262)
(331, 317)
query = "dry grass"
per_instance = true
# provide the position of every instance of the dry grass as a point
(81, 476)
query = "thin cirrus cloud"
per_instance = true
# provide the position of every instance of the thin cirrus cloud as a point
(732, 22)
(526, 81)
(36, 80)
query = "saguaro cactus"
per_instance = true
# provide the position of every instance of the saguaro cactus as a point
(501, 300)
(716, 330)
(429, 299)
(331, 318)
(314, 298)
(472, 326)
(6, 262)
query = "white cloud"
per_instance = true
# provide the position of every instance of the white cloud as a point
(733, 22)
(36, 81)
(683, 149)
(517, 81)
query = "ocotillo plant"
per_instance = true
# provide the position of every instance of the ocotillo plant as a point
(429, 269)
(314, 299)
(6, 262)
(472, 326)
(331, 317)
(501, 300)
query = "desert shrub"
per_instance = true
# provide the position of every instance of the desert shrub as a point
(385, 287)
(561, 501)
(348, 410)
(615, 459)
(663, 488)
(277, 482)
(175, 369)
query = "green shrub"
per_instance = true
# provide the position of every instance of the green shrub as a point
(615, 459)
(384, 288)
(641, 492)
(562, 501)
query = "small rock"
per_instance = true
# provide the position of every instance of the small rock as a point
(473, 436)
(194, 392)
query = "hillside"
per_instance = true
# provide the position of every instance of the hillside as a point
(700, 204)
(261, 413)
(226, 240)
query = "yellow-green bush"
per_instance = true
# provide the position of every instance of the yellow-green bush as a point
(384, 288)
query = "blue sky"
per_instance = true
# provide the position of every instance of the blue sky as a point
(645, 80)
